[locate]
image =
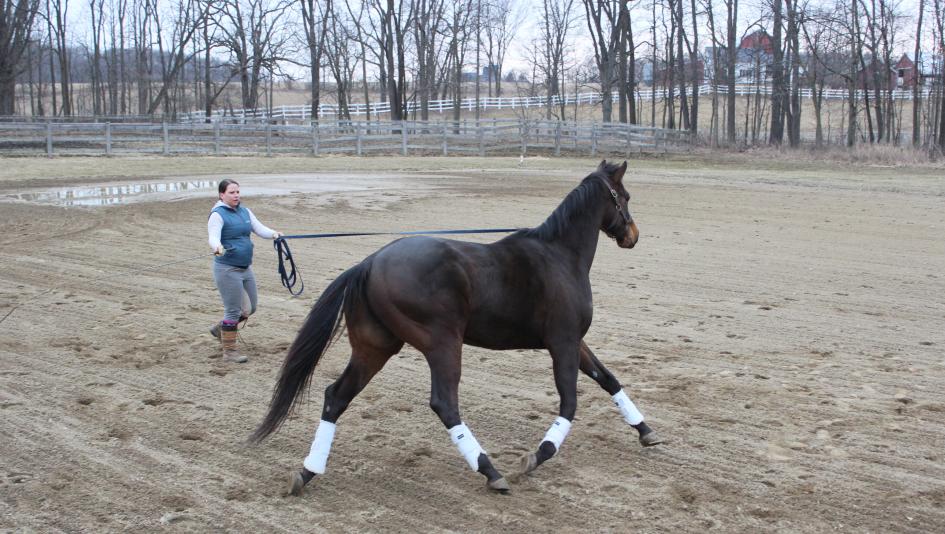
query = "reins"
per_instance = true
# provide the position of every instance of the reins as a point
(292, 276)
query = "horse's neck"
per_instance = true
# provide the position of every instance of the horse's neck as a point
(580, 240)
(576, 238)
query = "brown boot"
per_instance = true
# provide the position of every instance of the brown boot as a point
(215, 329)
(228, 337)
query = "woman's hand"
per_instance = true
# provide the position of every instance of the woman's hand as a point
(219, 251)
(276, 235)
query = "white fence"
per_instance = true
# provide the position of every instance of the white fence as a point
(482, 137)
(304, 112)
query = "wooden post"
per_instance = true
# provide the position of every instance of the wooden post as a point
(445, 149)
(167, 141)
(628, 139)
(216, 137)
(357, 130)
(268, 138)
(558, 138)
(482, 141)
(593, 139)
(49, 150)
(523, 133)
(108, 139)
(403, 138)
(315, 139)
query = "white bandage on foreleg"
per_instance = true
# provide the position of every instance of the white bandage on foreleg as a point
(629, 411)
(467, 445)
(321, 446)
(558, 431)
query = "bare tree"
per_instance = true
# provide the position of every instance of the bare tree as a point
(254, 33)
(628, 71)
(186, 19)
(341, 51)
(606, 22)
(776, 136)
(731, 7)
(503, 18)
(556, 20)
(315, 25)
(428, 28)
(97, 10)
(395, 21)
(916, 94)
(939, 9)
(681, 37)
(16, 23)
(57, 15)
(793, 98)
(716, 72)
(695, 73)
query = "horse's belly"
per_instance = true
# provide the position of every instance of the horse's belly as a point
(502, 339)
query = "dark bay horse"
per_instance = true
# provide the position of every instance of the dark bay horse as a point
(529, 290)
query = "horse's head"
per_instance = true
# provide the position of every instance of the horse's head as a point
(617, 222)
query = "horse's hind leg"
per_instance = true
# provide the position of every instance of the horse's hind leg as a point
(367, 358)
(445, 363)
(592, 367)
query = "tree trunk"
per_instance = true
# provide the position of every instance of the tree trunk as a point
(776, 136)
(732, 9)
(916, 94)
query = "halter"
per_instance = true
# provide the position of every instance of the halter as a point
(623, 213)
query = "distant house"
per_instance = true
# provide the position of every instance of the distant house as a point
(662, 73)
(488, 74)
(752, 60)
(865, 77)
(906, 73)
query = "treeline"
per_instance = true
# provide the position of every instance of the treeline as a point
(149, 57)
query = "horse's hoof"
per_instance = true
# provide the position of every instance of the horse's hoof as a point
(500, 485)
(649, 439)
(295, 484)
(529, 463)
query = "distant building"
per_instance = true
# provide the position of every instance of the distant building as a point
(753, 60)
(488, 73)
(906, 74)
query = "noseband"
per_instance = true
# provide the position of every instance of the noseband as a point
(623, 213)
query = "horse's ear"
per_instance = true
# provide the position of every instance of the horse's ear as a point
(603, 164)
(619, 172)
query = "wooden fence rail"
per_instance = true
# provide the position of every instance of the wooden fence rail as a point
(483, 137)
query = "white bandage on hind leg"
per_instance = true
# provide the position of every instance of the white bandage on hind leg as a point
(321, 446)
(558, 431)
(629, 411)
(467, 445)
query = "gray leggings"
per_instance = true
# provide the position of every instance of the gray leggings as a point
(237, 290)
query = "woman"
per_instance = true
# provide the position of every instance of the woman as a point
(228, 227)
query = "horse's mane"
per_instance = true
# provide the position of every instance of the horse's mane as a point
(571, 206)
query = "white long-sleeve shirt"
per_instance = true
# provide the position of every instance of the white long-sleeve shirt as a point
(215, 227)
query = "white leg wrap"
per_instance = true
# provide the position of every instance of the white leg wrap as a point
(467, 445)
(629, 411)
(558, 431)
(321, 446)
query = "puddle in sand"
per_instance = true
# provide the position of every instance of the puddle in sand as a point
(184, 188)
(110, 194)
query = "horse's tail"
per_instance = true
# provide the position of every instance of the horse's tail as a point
(317, 333)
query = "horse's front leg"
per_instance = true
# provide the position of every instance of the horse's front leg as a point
(564, 360)
(592, 367)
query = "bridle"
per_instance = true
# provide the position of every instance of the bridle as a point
(627, 219)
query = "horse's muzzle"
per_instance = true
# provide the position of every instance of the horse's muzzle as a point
(630, 238)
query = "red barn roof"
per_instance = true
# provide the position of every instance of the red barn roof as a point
(757, 40)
